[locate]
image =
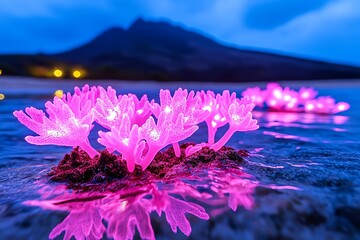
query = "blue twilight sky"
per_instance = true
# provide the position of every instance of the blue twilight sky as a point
(321, 29)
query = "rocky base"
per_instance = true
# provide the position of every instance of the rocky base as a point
(78, 168)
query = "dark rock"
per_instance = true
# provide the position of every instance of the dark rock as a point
(108, 170)
(351, 214)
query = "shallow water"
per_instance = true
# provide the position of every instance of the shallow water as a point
(301, 180)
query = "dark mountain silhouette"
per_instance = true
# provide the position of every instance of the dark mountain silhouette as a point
(161, 51)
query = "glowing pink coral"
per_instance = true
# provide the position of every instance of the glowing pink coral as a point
(109, 108)
(138, 128)
(213, 104)
(239, 118)
(285, 99)
(325, 105)
(126, 140)
(181, 103)
(61, 128)
(279, 98)
(164, 132)
(256, 94)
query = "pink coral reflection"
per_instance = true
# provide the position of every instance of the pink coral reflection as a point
(128, 209)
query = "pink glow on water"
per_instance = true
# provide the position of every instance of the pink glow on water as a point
(286, 136)
(266, 165)
(298, 120)
(340, 119)
(283, 187)
(297, 165)
(124, 211)
(128, 210)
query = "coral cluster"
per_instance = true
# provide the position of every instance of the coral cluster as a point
(137, 128)
(285, 99)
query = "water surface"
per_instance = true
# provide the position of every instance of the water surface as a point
(301, 180)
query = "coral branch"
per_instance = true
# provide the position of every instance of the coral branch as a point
(62, 127)
(126, 140)
(223, 140)
(240, 119)
(176, 148)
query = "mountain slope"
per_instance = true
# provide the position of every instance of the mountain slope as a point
(161, 51)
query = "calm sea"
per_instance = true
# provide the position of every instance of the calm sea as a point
(304, 169)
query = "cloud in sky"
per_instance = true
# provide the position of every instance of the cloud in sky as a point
(322, 29)
(275, 13)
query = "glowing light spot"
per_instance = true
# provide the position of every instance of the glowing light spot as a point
(76, 74)
(277, 94)
(58, 73)
(223, 119)
(125, 141)
(213, 124)
(112, 115)
(305, 95)
(122, 206)
(287, 98)
(290, 105)
(2, 96)
(341, 107)
(59, 93)
(235, 117)
(0, 71)
(154, 134)
(167, 109)
(75, 121)
(217, 117)
(56, 133)
(207, 108)
(186, 119)
(140, 111)
(310, 106)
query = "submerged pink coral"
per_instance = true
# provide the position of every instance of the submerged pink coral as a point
(285, 99)
(138, 129)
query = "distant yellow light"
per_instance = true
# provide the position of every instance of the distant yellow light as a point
(77, 74)
(0, 71)
(59, 93)
(58, 73)
(2, 96)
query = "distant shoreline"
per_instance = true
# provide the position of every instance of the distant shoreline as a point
(11, 84)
